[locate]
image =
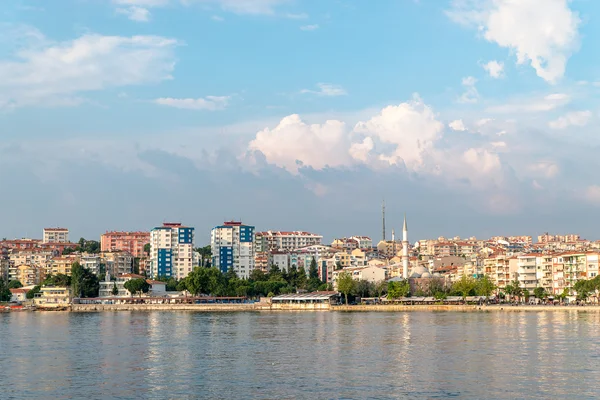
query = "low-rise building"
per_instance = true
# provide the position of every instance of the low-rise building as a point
(18, 295)
(27, 274)
(131, 242)
(53, 297)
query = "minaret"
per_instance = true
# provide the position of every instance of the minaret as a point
(405, 249)
(393, 244)
(383, 220)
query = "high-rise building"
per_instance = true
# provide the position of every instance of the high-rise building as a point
(56, 235)
(133, 242)
(232, 246)
(171, 251)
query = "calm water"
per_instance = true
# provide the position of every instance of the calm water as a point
(320, 355)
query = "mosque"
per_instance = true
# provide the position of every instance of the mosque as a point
(417, 271)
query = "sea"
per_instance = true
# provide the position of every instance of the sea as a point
(300, 355)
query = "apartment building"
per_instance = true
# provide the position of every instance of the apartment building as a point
(117, 262)
(172, 251)
(91, 262)
(280, 240)
(27, 274)
(527, 272)
(132, 242)
(62, 265)
(36, 256)
(232, 246)
(56, 235)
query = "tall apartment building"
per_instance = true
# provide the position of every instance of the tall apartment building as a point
(132, 242)
(278, 240)
(171, 251)
(56, 235)
(232, 246)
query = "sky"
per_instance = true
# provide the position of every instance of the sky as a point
(473, 117)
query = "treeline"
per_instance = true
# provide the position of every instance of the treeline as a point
(435, 287)
(213, 282)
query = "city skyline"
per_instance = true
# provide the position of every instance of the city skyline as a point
(122, 114)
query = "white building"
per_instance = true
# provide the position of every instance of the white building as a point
(56, 235)
(278, 240)
(172, 251)
(91, 262)
(232, 246)
(527, 271)
(371, 274)
(364, 242)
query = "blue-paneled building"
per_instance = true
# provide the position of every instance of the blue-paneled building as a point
(232, 246)
(172, 251)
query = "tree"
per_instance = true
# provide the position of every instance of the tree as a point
(57, 280)
(115, 290)
(464, 286)
(484, 286)
(14, 284)
(138, 285)
(345, 284)
(147, 248)
(313, 272)
(364, 288)
(437, 288)
(182, 286)
(76, 278)
(83, 282)
(301, 280)
(31, 294)
(539, 292)
(381, 288)
(5, 294)
(396, 290)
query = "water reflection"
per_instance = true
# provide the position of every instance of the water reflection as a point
(299, 355)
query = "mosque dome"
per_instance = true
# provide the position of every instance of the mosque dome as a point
(437, 275)
(426, 275)
(415, 275)
(420, 270)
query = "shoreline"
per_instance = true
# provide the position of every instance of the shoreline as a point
(261, 307)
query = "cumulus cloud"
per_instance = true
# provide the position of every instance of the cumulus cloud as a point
(293, 143)
(457, 125)
(471, 95)
(134, 13)
(576, 118)
(326, 89)
(494, 68)
(210, 103)
(543, 169)
(543, 33)
(312, 27)
(50, 73)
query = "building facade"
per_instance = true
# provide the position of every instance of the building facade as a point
(56, 235)
(232, 246)
(132, 242)
(171, 251)
(280, 240)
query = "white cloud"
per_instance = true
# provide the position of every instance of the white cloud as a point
(296, 16)
(537, 104)
(292, 140)
(471, 95)
(313, 27)
(543, 169)
(484, 121)
(327, 89)
(498, 144)
(134, 13)
(543, 33)
(360, 151)
(210, 103)
(457, 125)
(481, 160)
(494, 68)
(217, 18)
(142, 3)
(576, 118)
(253, 7)
(46, 72)
(592, 194)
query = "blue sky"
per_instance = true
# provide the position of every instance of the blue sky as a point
(475, 117)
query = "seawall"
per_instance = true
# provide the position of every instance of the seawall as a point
(324, 307)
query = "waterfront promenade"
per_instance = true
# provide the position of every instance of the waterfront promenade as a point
(256, 307)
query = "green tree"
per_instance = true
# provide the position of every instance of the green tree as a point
(484, 286)
(436, 288)
(138, 285)
(61, 280)
(464, 286)
(136, 266)
(76, 278)
(31, 294)
(396, 290)
(364, 288)
(313, 272)
(5, 294)
(182, 286)
(539, 292)
(345, 284)
(115, 290)
(301, 280)
(147, 248)
(15, 284)
(381, 288)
